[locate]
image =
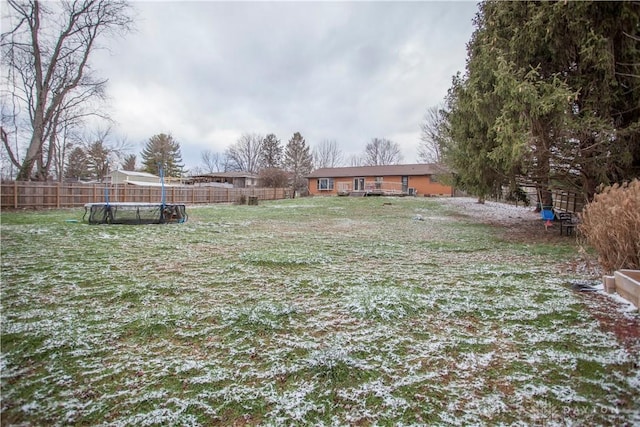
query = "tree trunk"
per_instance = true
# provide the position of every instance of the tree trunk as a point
(26, 169)
(543, 157)
(589, 186)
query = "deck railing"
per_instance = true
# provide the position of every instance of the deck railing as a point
(372, 187)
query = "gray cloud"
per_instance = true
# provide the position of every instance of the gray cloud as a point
(349, 71)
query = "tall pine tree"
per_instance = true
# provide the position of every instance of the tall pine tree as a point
(552, 88)
(98, 157)
(77, 166)
(162, 150)
(271, 155)
(298, 162)
(129, 163)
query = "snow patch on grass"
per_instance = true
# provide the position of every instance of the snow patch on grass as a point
(340, 312)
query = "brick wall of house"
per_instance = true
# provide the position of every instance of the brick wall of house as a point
(424, 186)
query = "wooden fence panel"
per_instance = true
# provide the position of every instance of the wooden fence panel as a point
(567, 201)
(52, 195)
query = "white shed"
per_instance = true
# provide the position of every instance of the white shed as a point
(134, 178)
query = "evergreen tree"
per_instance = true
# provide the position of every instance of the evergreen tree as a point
(98, 156)
(298, 162)
(550, 94)
(469, 141)
(271, 155)
(129, 163)
(162, 150)
(77, 165)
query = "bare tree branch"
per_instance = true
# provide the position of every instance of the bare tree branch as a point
(244, 155)
(212, 161)
(327, 155)
(431, 135)
(382, 152)
(48, 50)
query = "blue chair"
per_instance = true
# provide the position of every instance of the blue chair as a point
(547, 215)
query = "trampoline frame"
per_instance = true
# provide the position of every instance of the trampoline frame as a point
(168, 213)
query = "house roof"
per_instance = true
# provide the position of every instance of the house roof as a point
(227, 175)
(134, 173)
(149, 184)
(384, 170)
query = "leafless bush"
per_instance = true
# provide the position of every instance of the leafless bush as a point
(611, 225)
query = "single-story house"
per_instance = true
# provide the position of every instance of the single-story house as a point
(413, 179)
(236, 179)
(133, 178)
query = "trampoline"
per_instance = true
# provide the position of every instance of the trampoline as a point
(134, 213)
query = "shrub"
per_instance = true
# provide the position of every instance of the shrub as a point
(611, 225)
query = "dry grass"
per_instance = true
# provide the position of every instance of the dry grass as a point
(611, 225)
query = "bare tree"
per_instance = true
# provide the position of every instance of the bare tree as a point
(327, 154)
(46, 54)
(213, 161)
(273, 178)
(66, 138)
(431, 136)
(355, 160)
(7, 165)
(245, 154)
(381, 151)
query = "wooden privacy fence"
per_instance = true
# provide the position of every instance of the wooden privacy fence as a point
(52, 195)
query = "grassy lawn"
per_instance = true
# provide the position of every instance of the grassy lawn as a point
(324, 311)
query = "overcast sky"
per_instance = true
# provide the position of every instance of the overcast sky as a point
(207, 72)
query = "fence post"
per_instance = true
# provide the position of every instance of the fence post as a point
(15, 194)
(58, 189)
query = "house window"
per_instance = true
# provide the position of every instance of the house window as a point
(325, 184)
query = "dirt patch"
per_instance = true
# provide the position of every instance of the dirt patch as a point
(625, 325)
